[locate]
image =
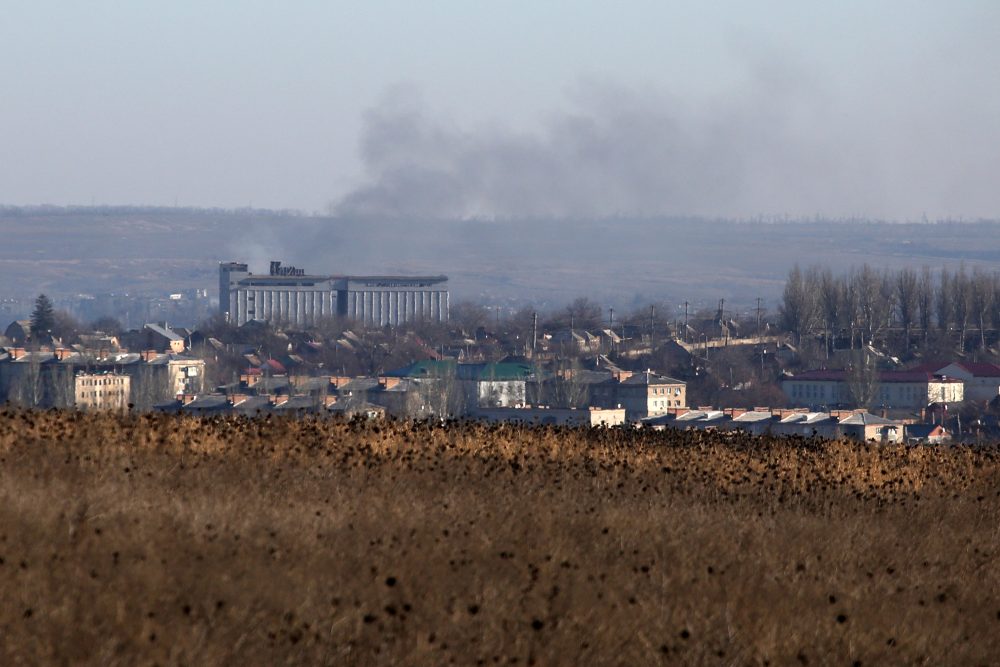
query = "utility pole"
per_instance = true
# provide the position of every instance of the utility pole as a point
(652, 314)
(722, 319)
(534, 330)
(685, 321)
(758, 317)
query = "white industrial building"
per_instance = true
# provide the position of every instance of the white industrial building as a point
(290, 296)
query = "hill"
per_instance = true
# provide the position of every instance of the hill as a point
(621, 262)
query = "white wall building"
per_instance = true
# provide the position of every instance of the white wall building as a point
(288, 295)
(894, 389)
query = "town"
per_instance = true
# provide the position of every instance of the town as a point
(291, 343)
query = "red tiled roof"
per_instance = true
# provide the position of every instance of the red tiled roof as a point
(981, 369)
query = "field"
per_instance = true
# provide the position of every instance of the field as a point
(175, 541)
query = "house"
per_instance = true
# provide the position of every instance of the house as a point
(698, 419)
(866, 426)
(349, 409)
(249, 406)
(300, 405)
(754, 422)
(161, 338)
(981, 380)
(48, 378)
(210, 404)
(609, 339)
(806, 424)
(575, 340)
(494, 384)
(18, 332)
(643, 395)
(99, 342)
(931, 434)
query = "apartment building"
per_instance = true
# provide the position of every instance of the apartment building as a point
(101, 391)
(893, 389)
(643, 395)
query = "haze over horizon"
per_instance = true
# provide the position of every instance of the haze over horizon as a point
(557, 109)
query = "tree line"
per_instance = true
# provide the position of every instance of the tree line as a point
(900, 311)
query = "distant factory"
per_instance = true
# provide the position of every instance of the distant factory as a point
(290, 296)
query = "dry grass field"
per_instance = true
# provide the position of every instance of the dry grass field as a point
(176, 541)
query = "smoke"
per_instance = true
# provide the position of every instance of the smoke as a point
(783, 145)
(615, 151)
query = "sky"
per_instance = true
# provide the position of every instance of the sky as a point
(458, 109)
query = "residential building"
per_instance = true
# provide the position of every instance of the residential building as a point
(101, 391)
(161, 338)
(754, 422)
(479, 385)
(912, 390)
(806, 424)
(866, 426)
(642, 395)
(702, 419)
(47, 378)
(981, 380)
(931, 434)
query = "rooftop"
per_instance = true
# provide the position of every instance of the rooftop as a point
(651, 378)
(163, 331)
(976, 369)
(865, 419)
(841, 375)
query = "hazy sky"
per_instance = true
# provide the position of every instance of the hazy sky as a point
(459, 108)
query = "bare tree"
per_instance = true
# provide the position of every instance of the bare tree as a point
(374, 348)
(849, 307)
(874, 304)
(831, 304)
(961, 300)
(943, 296)
(63, 388)
(981, 298)
(469, 316)
(925, 301)
(907, 301)
(569, 391)
(28, 389)
(862, 379)
(584, 313)
(798, 304)
(995, 311)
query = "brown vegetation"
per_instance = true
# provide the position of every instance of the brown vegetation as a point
(171, 540)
